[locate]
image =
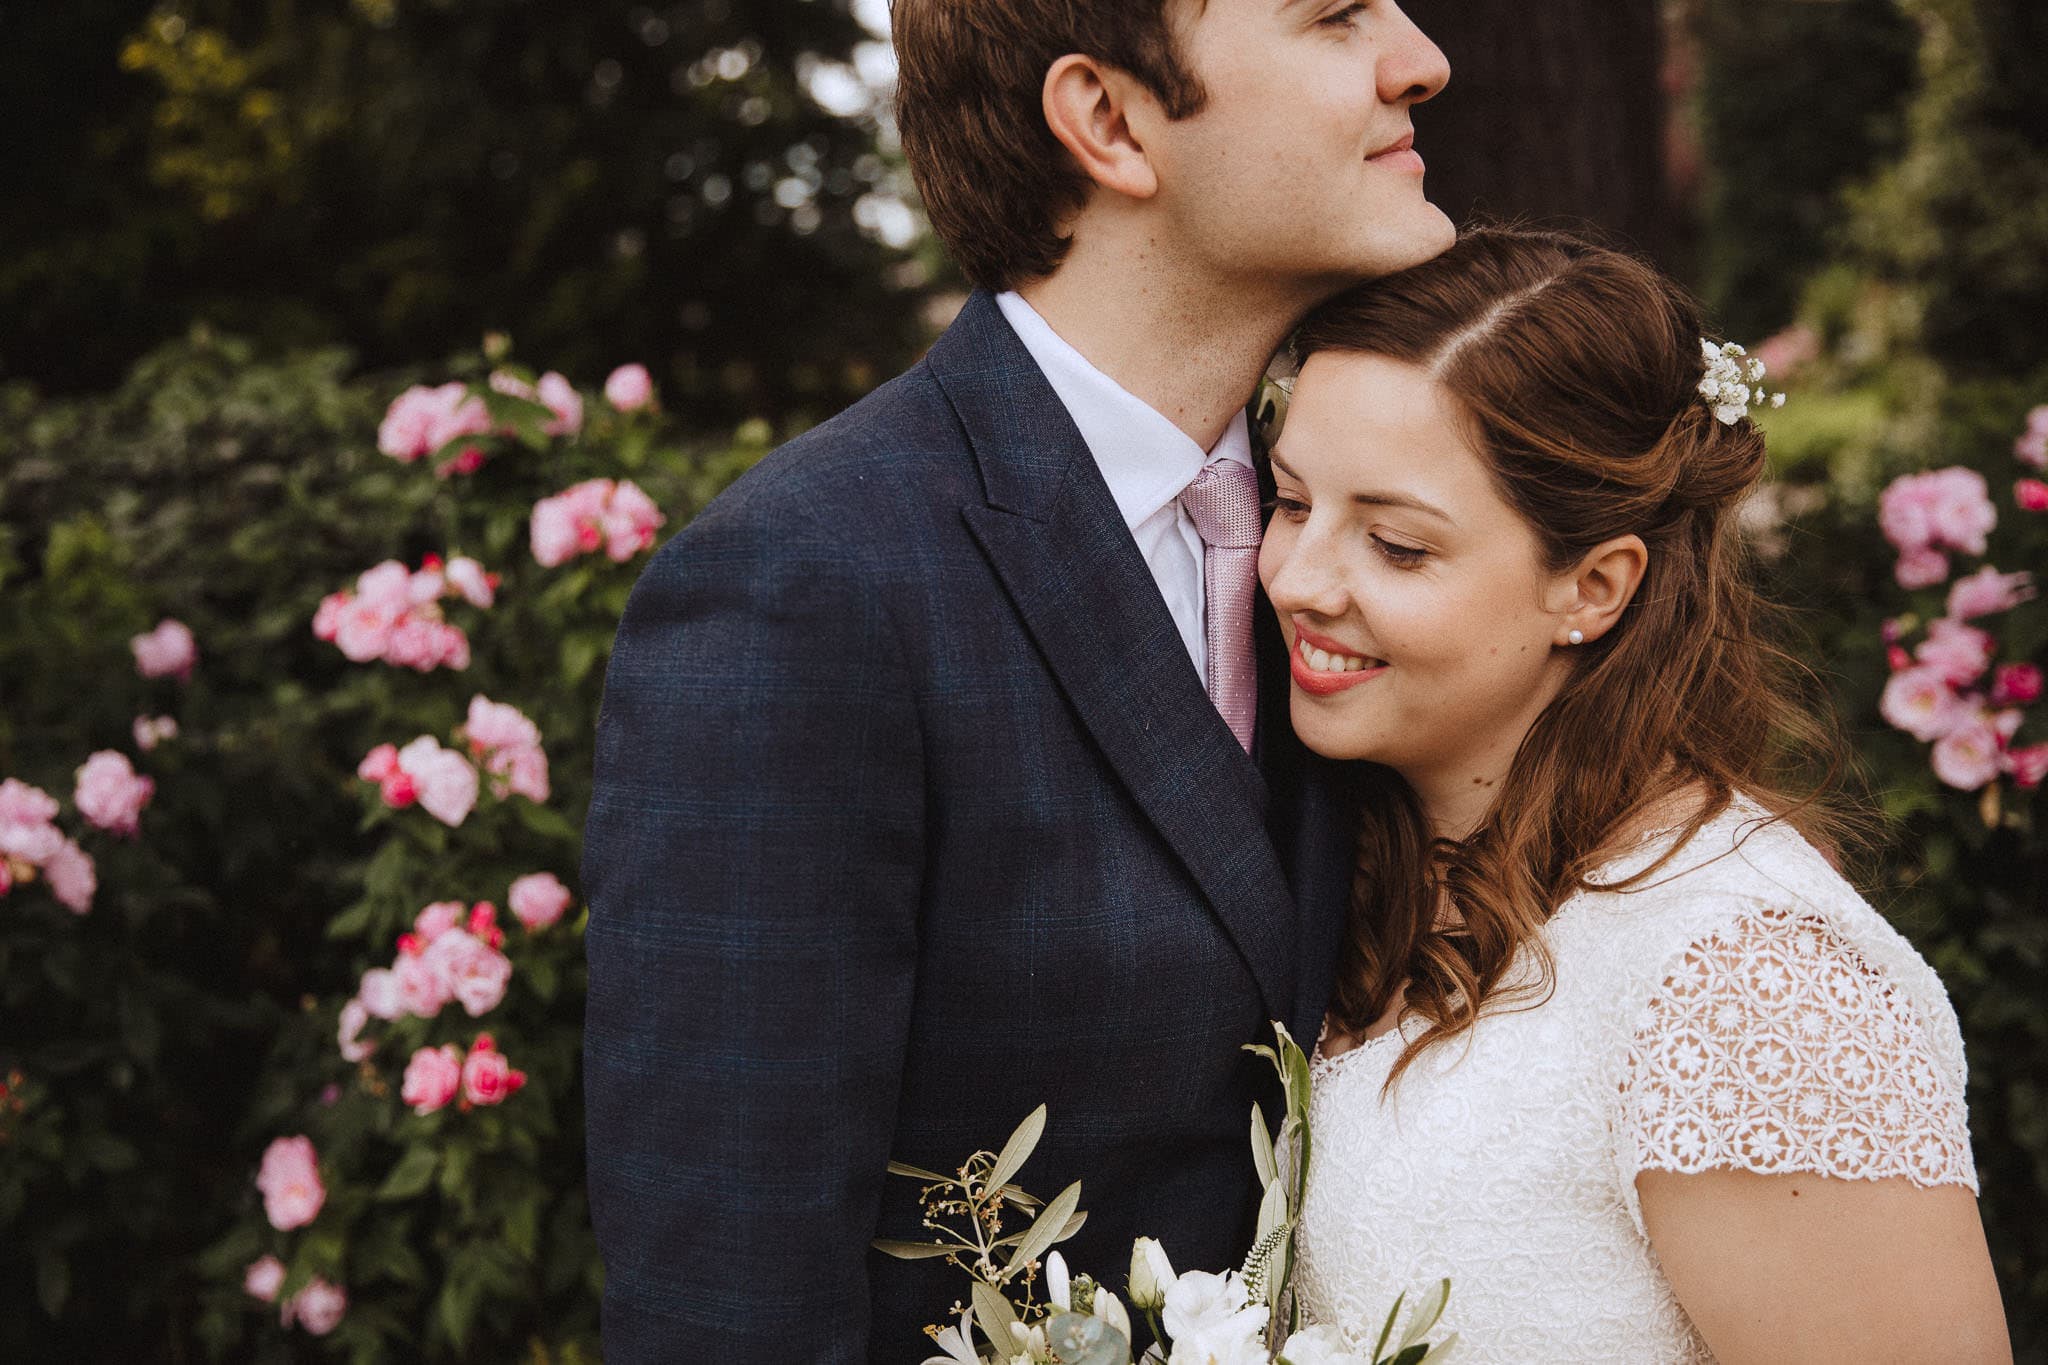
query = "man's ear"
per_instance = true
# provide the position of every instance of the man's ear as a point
(1088, 106)
(1596, 592)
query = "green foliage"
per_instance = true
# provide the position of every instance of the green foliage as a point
(164, 1038)
(608, 180)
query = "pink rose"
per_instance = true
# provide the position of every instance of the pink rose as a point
(379, 763)
(564, 402)
(414, 643)
(1968, 756)
(6, 876)
(385, 587)
(474, 972)
(21, 804)
(629, 388)
(327, 617)
(553, 533)
(447, 784)
(1961, 652)
(1987, 591)
(1960, 508)
(1921, 568)
(468, 578)
(264, 1278)
(379, 991)
(2032, 446)
(422, 420)
(318, 1307)
(538, 899)
(422, 989)
(487, 1078)
(431, 1078)
(150, 731)
(290, 1182)
(166, 652)
(2016, 685)
(72, 877)
(110, 794)
(2031, 495)
(1920, 702)
(1904, 512)
(363, 630)
(630, 520)
(520, 772)
(354, 1015)
(437, 919)
(2028, 765)
(496, 725)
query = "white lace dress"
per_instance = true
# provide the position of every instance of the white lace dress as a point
(1742, 1008)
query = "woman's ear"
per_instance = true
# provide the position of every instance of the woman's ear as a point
(1595, 593)
(1089, 107)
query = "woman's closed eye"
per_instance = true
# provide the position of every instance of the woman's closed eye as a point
(1397, 554)
(1293, 509)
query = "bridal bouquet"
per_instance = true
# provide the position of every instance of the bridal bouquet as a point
(1241, 1317)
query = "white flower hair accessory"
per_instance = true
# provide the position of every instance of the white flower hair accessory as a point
(1733, 382)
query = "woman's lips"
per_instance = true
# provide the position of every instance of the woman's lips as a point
(1324, 682)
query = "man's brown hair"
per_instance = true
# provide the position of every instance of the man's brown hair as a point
(970, 105)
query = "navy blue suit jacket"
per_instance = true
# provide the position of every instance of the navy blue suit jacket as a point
(911, 814)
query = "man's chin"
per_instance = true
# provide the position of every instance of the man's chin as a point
(1423, 236)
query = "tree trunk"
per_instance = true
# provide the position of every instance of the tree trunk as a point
(1555, 111)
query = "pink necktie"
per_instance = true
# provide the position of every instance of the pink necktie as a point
(1223, 502)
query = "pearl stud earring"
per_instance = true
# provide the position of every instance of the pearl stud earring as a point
(1576, 636)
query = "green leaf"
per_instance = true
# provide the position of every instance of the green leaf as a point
(1427, 1314)
(1412, 1356)
(910, 1251)
(1046, 1229)
(411, 1175)
(994, 1314)
(1262, 1148)
(1387, 1331)
(1073, 1226)
(1018, 1149)
(918, 1173)
(1442, 1349)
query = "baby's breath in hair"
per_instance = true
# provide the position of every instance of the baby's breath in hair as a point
(1734, 382)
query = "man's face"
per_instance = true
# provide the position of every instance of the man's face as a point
(1298, 169)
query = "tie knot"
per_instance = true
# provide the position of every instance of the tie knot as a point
(1223, 502)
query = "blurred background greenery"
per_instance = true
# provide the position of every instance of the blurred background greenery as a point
(233, 229)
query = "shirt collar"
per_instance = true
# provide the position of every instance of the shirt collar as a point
(1145, 459)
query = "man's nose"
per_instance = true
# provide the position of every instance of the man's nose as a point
(1413, 68)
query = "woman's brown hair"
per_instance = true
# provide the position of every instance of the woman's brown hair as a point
(1579, 367)
(970, 85)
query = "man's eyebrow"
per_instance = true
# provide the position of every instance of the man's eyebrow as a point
(1372, 497)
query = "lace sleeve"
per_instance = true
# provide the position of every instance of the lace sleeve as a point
(1774, 1046)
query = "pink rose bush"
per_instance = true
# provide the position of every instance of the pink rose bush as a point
(393, 613)
(422, 420)
(263, 1278)
(441, 781)
(538, 900)
(630, 388)
(597, 514)
(317, 1308)
(289, 1180)
(32, 846)
(508, 744)
(150, 731)
(111, 794)
(169, 651)
(1923, 515)
(1950, 690)
(437, 1075)
(553, 392)
(450, 954)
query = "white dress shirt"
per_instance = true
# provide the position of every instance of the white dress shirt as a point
(1145, 459)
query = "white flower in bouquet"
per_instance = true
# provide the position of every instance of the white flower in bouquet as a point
(1199, 1301)
(1321, 1345)
(1238, 1340)
(1151, 1275)
(1059, 1284)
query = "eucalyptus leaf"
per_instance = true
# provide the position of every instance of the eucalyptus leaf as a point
(1079, 1339)
(1019, 1148)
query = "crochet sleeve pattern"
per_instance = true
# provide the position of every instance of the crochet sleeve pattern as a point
(1774, 1046)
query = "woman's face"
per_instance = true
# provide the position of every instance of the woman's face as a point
(1425, 632)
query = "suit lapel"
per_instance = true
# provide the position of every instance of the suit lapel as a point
(1054, 536)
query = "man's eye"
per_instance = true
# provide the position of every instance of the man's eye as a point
(1343, 17)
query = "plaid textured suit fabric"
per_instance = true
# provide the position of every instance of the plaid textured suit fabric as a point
(911, 813)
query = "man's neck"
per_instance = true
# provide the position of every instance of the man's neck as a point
(1191, 349)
